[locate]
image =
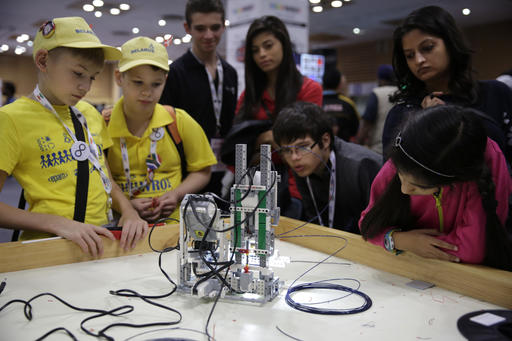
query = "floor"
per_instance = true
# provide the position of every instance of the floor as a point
(10, 194)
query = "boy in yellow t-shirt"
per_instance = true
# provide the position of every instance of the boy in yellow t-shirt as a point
(144, 159)
(52, 142)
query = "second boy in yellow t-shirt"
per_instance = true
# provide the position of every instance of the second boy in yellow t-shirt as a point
(144, 159)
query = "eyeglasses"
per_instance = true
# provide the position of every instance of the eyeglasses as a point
(300, 150)
(398, 144)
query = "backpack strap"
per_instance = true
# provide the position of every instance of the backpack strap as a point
(172, 129)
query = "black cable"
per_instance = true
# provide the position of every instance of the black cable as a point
(323, 285)
(166, 338)
(329, 286)
(27, 310)
(284, 333)
(57, 330)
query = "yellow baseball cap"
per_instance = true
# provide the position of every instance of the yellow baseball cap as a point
(70, 32)
(143, 51)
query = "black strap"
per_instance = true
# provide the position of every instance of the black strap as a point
(82, 177)
(21, 205)
(181, 151)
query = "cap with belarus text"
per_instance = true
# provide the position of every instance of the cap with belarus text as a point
(143, 51)
(71, 32)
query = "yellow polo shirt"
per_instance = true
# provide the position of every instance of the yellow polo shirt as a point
(36, 151)
(198, 152)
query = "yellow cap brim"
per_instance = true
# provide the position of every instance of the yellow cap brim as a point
(110, 53)
(129, 65)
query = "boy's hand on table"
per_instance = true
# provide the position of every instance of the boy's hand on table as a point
(85, 235)
(134, 229)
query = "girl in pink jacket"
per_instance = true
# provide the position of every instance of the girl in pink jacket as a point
(444, 192)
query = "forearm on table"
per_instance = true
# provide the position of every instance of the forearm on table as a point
(15, 218)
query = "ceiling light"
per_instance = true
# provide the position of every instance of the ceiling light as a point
(466, 11)
(19, 39)
(30, 43)
(97, 3)
(161, 22)
(124, 7)
(19, 50)
(24, 36)
(314, 1)
(356, 30)
(336, 3)
(167, 36)
(159, 39)
(226, 22)
(135, 30)
(177, 41)
(115, 11)
(98, 14)
(88, 8)
(186, 39)
(318, 9)
(169, 61)
(5, 47)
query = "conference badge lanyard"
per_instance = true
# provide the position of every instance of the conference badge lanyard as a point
(217, 95)
(332, 192)
(80, 151)
(153, 161)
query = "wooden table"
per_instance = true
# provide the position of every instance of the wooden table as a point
(399, 312)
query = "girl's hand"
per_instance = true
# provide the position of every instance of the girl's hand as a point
(432, 100)
(424, 243)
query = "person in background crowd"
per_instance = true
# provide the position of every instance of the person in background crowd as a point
(506, 78)
(8, 92)
(202, 83)
(377, 108)
(272, 81)
(341, 108)
(433, 66)
(331, 173)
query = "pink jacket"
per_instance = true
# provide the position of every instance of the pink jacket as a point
(463, 214)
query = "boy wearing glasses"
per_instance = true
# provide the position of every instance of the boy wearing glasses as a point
(333, 176)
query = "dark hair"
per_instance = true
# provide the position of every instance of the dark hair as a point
(439, 146)
(299, 119)
(331, 79)
(94, 55)
(8, 89)
(437, 22)
(203, 6)
(289, 79)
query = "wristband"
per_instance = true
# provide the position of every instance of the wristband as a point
(389, 242)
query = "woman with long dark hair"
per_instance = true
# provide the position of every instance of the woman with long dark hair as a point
(272, 81)
(433, 66)
(444, 191)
